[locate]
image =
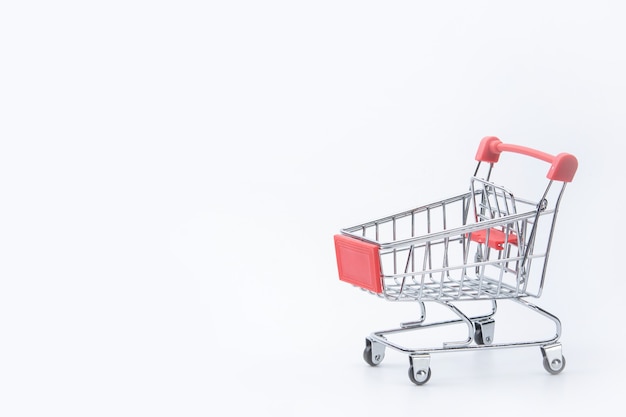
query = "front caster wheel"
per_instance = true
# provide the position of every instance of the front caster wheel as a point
(420, 377)
(374, 353)
(553, 359)
(555, 366)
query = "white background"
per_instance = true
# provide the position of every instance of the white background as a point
(172, 175)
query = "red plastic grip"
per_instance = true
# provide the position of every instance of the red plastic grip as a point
(563, 166)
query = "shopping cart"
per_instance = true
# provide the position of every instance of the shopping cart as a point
(485, 244)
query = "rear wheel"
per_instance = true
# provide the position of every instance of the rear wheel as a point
(374, 353)
(555, 366)
(422, 376)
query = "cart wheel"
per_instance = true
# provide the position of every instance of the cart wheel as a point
(374, 353)
(555, 366)
(422, 377)
(478, 336)
(483, 334)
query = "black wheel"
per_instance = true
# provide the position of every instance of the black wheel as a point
(420, 381)
(368, 355)
(483, 332)
(478, 336)
(556, 367)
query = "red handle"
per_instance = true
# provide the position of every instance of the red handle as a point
(563, 166)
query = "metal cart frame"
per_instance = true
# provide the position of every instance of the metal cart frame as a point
(483, 245)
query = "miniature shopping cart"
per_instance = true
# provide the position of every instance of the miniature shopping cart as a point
(486, 244)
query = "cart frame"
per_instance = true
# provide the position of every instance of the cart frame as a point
(424, 255)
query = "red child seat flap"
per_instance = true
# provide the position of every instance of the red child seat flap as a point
(497, 238)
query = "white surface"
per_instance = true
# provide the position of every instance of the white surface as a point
(172, 174)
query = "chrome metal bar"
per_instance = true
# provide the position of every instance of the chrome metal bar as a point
(379, 336)
(406, 213)
(457, 231)
(430, 271)
(549, 245)
(544, 313)
(418, 322)
(464, 318)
